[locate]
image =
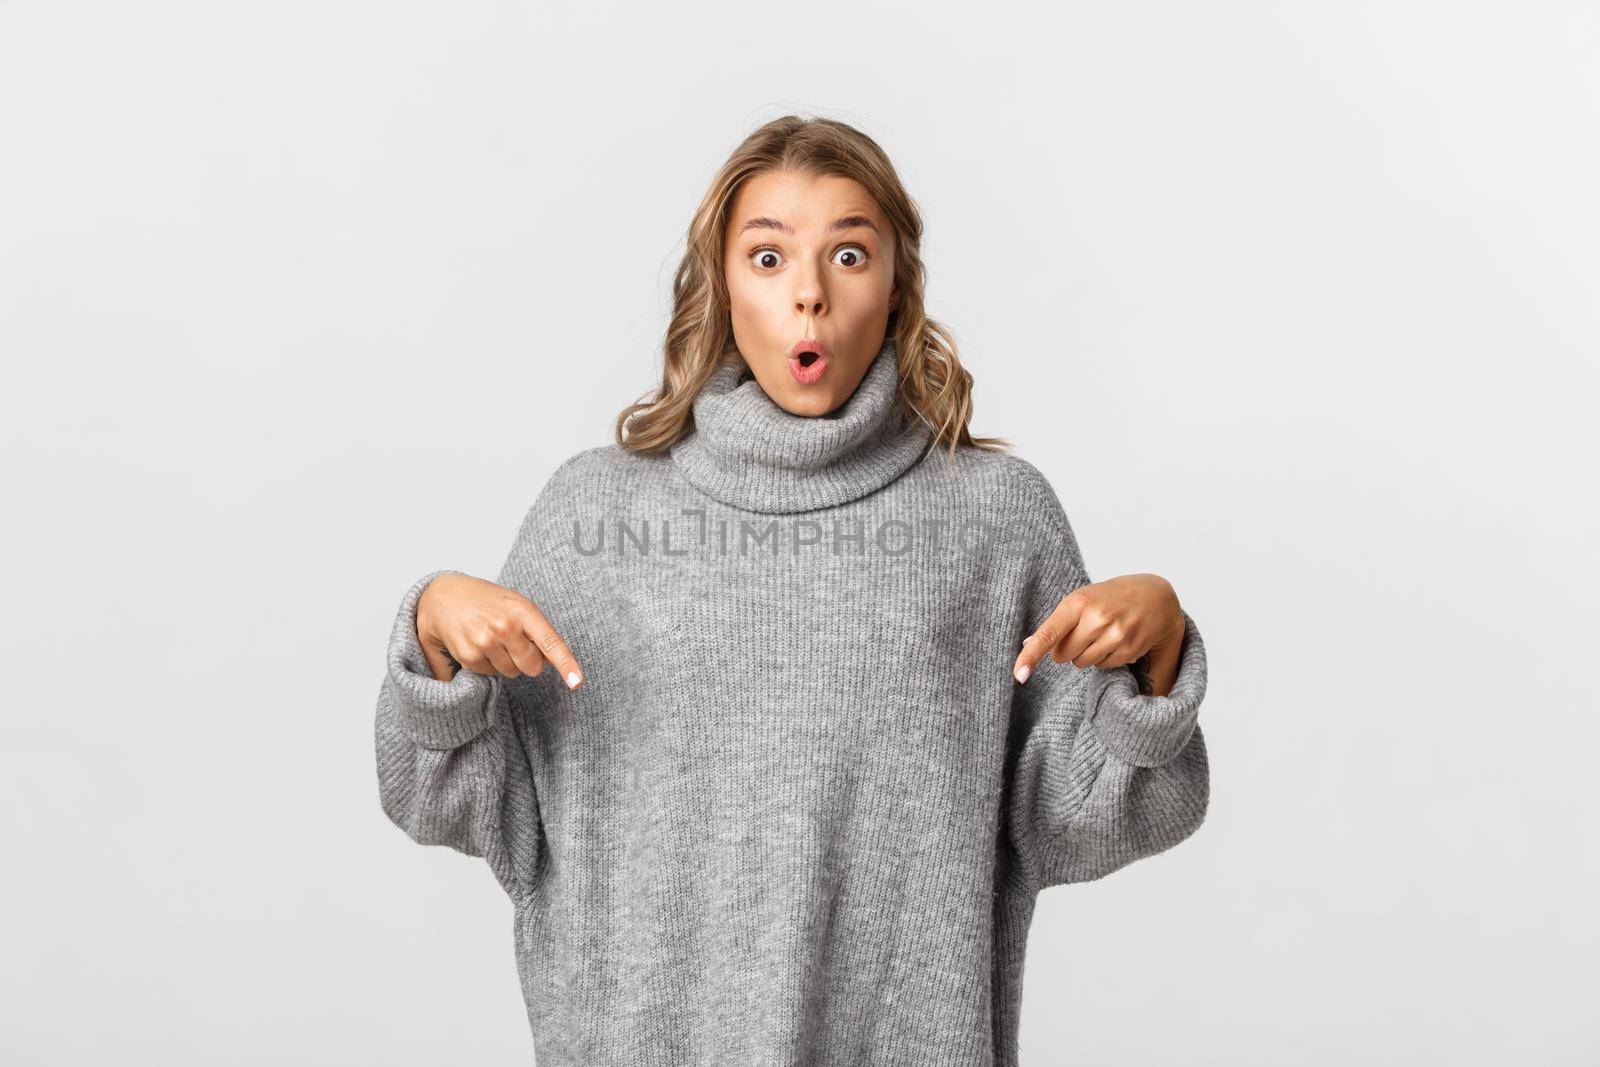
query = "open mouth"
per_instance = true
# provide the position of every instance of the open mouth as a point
(808, 360)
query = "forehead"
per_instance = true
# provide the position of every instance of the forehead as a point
(803, 201)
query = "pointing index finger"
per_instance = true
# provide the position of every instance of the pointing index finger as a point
(1047, 636)
(539, 630)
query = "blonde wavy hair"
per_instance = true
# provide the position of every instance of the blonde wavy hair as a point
(934, 388)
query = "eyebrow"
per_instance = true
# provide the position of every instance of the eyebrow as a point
(845, 222)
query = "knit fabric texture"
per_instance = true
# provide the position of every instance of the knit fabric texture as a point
(799, 812)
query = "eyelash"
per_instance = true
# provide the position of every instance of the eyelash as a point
(865, 257)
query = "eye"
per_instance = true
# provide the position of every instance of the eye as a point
(768, 258)
(858, 253)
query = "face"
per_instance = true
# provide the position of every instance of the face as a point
(809, 259)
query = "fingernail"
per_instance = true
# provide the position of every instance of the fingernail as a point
(1022, 672)
(573, 678)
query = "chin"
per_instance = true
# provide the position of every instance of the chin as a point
(800, 401)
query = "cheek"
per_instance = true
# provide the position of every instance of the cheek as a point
(738, 288)
(740, 306)
(872, 287)
(749, 303)
(746, 318)
(865, 301)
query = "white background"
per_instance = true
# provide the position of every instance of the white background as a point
(1295, 304)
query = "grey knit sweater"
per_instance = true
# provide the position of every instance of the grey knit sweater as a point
(799, 812)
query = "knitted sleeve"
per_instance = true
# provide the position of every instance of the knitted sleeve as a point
(1105, 775)
(452, 769)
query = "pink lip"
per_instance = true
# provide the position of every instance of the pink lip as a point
(802, 373)
(808, 344)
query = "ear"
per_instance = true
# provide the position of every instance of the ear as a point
(894, 298)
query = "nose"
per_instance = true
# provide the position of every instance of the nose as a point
(809, 299)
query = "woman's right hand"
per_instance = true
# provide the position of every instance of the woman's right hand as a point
(488, 629)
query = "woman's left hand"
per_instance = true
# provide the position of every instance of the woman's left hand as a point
(1108, 624)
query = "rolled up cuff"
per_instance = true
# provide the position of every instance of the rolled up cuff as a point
(1150, 731)
(436, 714)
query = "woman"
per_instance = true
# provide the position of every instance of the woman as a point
(802, 765)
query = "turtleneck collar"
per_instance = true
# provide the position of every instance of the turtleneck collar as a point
(748, 452)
